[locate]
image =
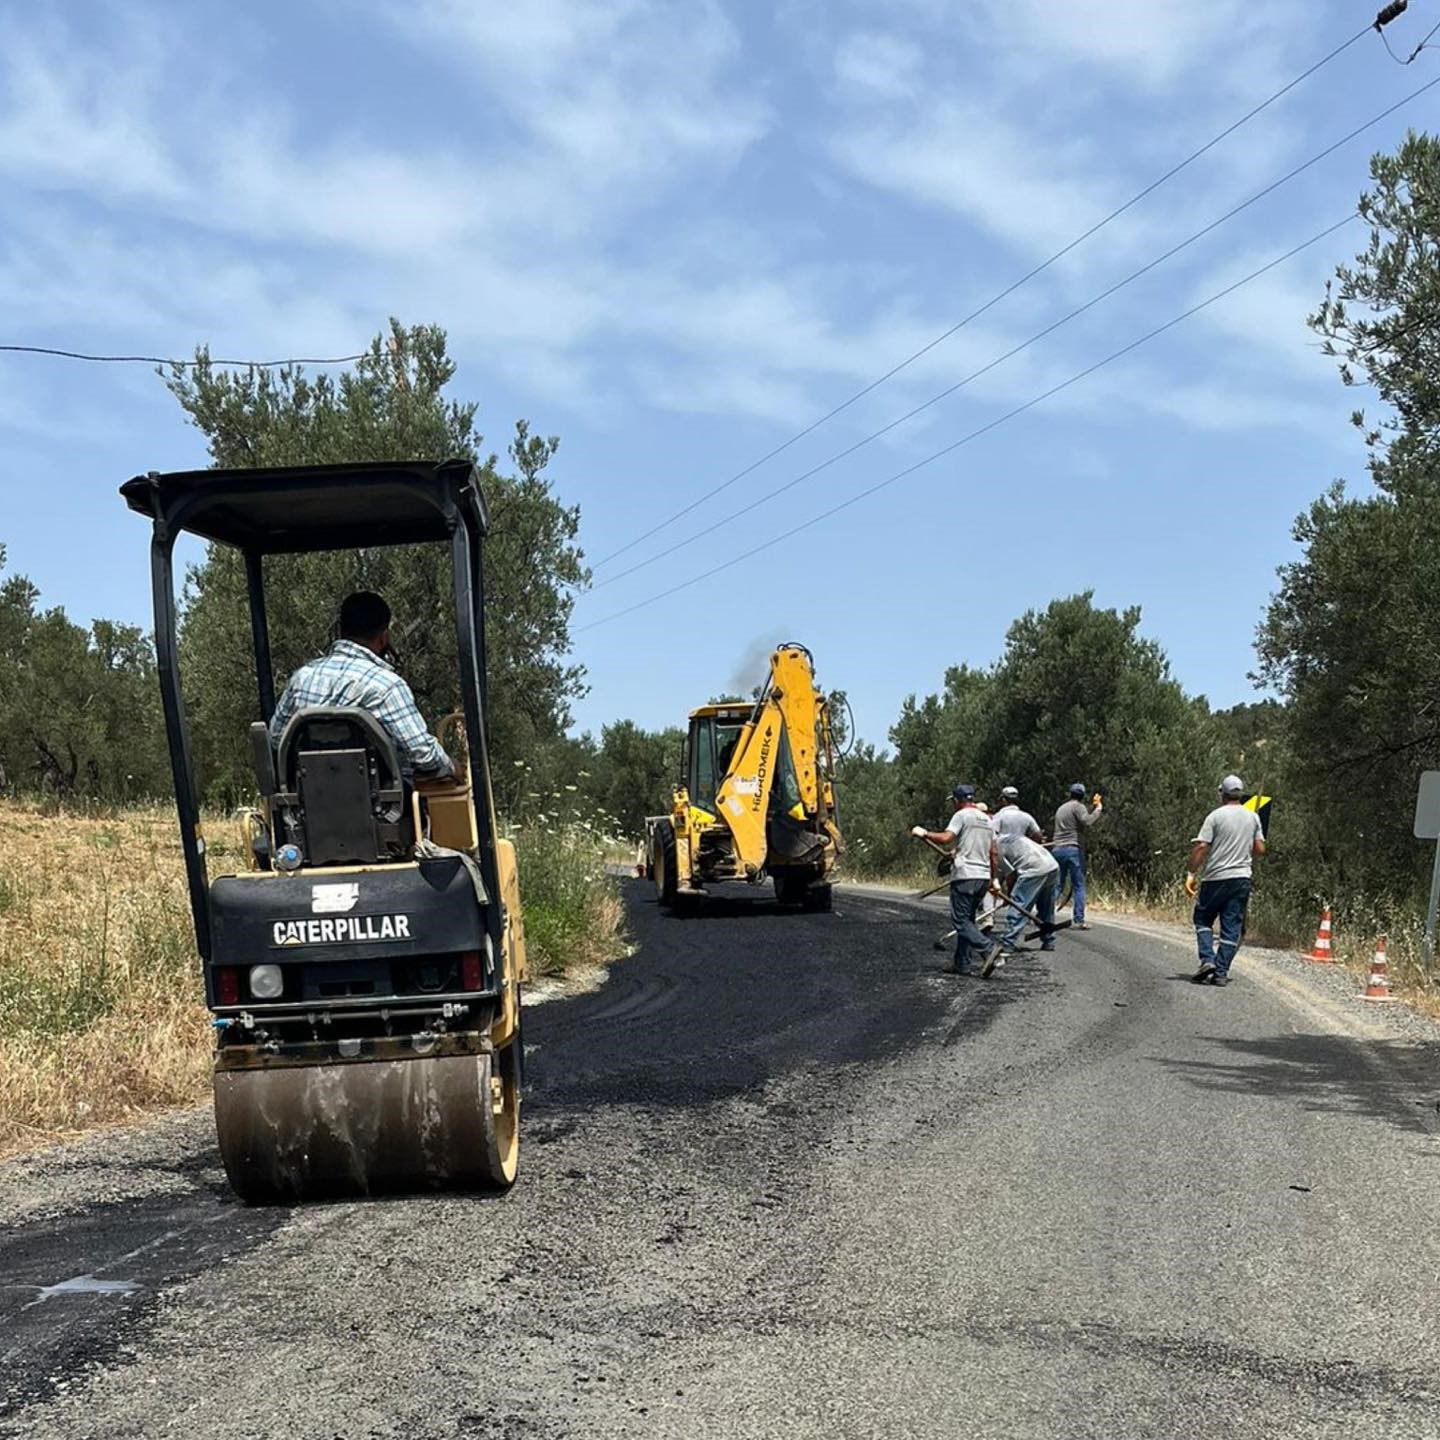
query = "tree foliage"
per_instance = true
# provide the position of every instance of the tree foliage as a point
(79, 708)
(1352, 638)
(392, 406)
(1078, 694)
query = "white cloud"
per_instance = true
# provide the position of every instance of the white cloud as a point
(620, 92)
(880, 66)
(559, 243)
(960, 158)
(1144, 45)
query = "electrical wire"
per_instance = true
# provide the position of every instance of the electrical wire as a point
(1415, 53)
(990, 365)
(994, 300)
(974, 434)
(179, 364)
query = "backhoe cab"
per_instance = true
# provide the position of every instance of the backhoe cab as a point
(757, 800)
(364, 972)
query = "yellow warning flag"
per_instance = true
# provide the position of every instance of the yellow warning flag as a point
(1260, 804)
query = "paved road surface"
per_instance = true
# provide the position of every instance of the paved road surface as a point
(783, 1177)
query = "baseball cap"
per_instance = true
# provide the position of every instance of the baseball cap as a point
(1077, 789)
(964, 792)
(1009, 793)
(1232, 785)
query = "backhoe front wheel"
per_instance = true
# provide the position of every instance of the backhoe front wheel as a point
(819, 899)
(790, 889)
(662, 864)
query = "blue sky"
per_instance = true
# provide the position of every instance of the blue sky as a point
(675, 234)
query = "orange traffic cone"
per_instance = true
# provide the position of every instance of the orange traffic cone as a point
(1379, 986)
(1320, 952)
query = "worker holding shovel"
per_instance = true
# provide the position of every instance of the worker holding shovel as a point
(1034, 889)
(973, 867)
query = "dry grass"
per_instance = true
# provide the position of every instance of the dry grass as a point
(101, 1018)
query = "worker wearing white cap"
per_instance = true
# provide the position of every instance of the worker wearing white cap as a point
(1010, 819)
(1222, 861)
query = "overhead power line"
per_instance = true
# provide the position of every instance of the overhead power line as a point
(994, 300)
(1014, 350)
(182, 364)
(973, 435)
(1415, 53)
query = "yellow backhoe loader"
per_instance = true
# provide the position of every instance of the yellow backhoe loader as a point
(757, 800)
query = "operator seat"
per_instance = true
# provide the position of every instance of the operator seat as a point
(340, 794)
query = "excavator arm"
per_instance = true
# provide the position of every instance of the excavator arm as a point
(780, 743)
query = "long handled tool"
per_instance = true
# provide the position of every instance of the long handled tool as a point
(1041, 931)
(1042, 928)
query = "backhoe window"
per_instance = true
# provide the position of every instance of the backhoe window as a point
(712, 745)
(785, 795)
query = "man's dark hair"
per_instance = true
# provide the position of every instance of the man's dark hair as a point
(363, 616)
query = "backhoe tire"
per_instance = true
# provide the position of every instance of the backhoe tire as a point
(819, 899)
(662, 865)
(790, 889)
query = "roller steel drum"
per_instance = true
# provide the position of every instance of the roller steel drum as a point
(291, 1133)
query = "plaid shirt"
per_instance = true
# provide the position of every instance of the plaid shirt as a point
(352, 674)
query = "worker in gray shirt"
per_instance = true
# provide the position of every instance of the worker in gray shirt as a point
(1010, 819)
(1070, 820)
(1222, 861)
(974, 864)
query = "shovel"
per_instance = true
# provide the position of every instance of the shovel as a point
(1041, 930)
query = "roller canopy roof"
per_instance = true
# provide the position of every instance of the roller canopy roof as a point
(314, 507)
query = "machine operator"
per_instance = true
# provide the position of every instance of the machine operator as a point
(356, 672)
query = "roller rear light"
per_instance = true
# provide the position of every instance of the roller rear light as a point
(472, 973)
(227, 985)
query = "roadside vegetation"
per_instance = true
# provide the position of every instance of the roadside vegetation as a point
(566, 846)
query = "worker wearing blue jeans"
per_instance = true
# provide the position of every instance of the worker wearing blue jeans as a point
(1222, 861)
(1223, 900)
(1070, 819)
(974, 863)
(1034, 887)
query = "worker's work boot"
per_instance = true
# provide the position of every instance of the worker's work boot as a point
(1205, 975)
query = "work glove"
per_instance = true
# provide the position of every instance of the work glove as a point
(919, 831)
(1097, 802)
(1192, 886)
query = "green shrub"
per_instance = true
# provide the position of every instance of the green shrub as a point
(573, 914)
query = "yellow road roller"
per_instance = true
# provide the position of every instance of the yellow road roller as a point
(364, 971)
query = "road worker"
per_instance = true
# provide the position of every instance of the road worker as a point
(974, 864)
(1010, 819)
(1034, 886)
(1222, 861)
(1070, 820)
